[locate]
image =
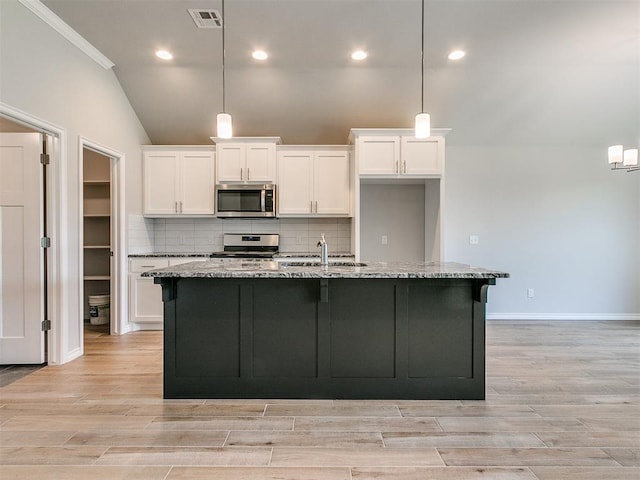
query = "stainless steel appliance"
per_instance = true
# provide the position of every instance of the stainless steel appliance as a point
(246, 201)
(249, 245)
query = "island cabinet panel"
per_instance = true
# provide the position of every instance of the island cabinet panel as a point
(439, 324)
(363, 329)
(394, 338)
(285, 329)
(207, 338)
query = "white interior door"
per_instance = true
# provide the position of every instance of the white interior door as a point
(21, 265)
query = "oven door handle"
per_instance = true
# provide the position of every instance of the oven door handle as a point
(263, 203)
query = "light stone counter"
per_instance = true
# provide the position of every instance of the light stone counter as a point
(224, 268)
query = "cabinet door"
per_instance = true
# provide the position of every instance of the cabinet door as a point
(294, 183)
(146, 300)
(260, 162)
(145, 297)
(331, 186)
(160, 183)
(197, 187)
(420, 156)
(230, 162)
(378, 155)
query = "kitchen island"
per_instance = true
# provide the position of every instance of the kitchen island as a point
(265, 329)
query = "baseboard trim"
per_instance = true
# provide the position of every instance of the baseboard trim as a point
(564, 316)
(73, 354)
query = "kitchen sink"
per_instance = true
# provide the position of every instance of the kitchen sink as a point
(318, 264)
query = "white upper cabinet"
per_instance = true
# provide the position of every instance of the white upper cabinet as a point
(178, 181)
(332, 183)
(246, 159)
(381, 154)
(314, 182)
(295, 183)
(378, 155)
(420, 156)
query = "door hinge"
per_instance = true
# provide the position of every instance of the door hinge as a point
(45, 325)
(44, 158)
(45, 242)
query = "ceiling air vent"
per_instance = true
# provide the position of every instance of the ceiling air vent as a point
(206, 18)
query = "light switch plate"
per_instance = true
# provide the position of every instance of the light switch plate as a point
(474, 239)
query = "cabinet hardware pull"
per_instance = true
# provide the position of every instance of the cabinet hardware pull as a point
(176, 207)
(396, 169)
(180, 207)
(404, 164)
(311, 206)
(248, 174)
(316, 206)
(241, 174)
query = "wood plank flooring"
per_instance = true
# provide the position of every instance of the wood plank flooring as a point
(563, 402)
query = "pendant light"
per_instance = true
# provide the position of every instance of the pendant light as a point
(225, 127)
(423, 120)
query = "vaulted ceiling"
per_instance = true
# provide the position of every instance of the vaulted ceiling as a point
(563, 72)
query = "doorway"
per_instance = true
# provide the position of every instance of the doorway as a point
(102, 264)
(97, 241)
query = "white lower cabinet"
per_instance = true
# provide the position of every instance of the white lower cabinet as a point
(314, 183)
(145, 297)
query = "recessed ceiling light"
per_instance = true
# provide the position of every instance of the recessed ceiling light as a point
(457, 54)
(359, 55)
(260, 55)
(164, 55)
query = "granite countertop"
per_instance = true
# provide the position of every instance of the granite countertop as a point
(169, 255)
(207, 255)
(223, 268)
(312, 255)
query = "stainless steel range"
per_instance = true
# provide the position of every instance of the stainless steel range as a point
(249, 245)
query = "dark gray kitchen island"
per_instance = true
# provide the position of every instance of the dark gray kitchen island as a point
(263, 329)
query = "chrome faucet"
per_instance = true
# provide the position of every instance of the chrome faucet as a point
(324, 250)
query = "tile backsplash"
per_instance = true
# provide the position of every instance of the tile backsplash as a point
(202, 235)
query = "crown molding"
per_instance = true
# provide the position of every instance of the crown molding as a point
(60, 26)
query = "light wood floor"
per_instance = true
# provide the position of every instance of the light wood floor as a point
(563, 402)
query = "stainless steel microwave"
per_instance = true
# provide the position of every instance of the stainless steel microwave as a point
(246, 201)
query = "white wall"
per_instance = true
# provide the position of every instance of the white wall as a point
(45, 76)
(557, 219)
(396, 211)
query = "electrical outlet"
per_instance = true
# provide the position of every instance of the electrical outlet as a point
(384, 240)
(474, 240)
(530, 293)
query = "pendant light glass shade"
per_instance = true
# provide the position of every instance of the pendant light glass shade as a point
(225, 128)
(423, 125)
(615, 154)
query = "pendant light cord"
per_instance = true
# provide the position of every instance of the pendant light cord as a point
(421, 62)
(224, 20)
